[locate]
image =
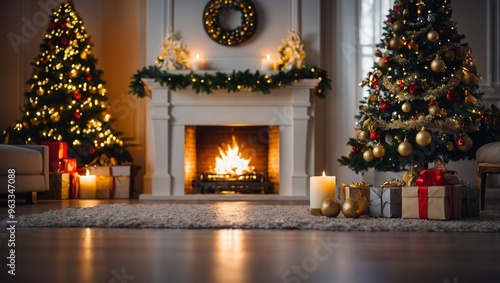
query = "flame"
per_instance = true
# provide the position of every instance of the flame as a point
(231, 161)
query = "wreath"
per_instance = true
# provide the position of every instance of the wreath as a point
(230, 37)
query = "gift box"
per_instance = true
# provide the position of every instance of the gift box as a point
(74, 189)
(470, 202)
(59, 186)
(57, 151)
(68, 165)
(357, 190)
(385, 202)
(431, 202)
(111, 181)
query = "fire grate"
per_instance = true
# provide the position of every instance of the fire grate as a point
(211, 183)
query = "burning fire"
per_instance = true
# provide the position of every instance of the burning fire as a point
(231, 162)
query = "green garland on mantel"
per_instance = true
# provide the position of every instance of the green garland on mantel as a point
(232, 82)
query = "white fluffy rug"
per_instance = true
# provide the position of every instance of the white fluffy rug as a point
(235, 215)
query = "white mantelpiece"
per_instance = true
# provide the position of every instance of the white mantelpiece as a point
(170, 111)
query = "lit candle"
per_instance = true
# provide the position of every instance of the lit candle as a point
(197, 63)
(322, 187)
(267, 64)
(87, 186)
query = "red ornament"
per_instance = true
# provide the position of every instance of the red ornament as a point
(387, 60)
(415, 88)
(453, 96)
(384, 106)
(77, 115)
(374, 135)
(460, 141)
(389, 19)
(52, 26)
(464, 125)
(401, 84)
(374, 84)
(486, 119)
(64, 41)
(92, 151)
(63, 25)
(88, 78)
(454, 35)
(77, 95)
(396, 9)
(432, 103)
(356, 149)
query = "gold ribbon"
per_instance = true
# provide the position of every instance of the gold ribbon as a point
(393, 184)
(357, 185)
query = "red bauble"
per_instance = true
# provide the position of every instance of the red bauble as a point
(464, 125)
(63, 25)
(453, 96)
(432, 103)
(92, 151)
(374, 84)
(77, 95)
(460, 141)
(401, 84)
(64, 41)
(486, 119)
(384, 106)
(77, 115)
(387, 60)
(395, 9)
(389, 20)
(415, 88)
(374, 135)
(52, 26)
(356, 149)
(88, 78)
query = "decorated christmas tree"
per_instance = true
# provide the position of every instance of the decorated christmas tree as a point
(423, 98)
(66, 100)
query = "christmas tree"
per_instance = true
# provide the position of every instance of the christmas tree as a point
(423, 97)
(66, 100)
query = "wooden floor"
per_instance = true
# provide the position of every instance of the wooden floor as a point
(170, 255)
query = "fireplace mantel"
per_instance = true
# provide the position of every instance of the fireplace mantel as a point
(169, 112)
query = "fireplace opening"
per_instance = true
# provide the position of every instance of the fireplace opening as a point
(231, 159)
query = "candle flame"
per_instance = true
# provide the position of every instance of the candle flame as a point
(324, 173)
(87, 172)
(197, 56)
(268, 57)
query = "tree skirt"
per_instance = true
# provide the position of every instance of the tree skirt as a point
(240, 216)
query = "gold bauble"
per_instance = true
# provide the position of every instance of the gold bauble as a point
(372, 99)
(469, 79)
(434, 110)
(55, 117)
(467, 144)
(330, 207)
(438, 65)
(413, 47)
(398, 27)
(381, 62)
(470, 99)
(406, 107)
(423, 138)
(379, 151)
(83, 55)
(405, 148)
(432, 36)
(351, 208)
(368, 155)
(449, 146)
(396, 43)
(363, 135)
(449, 55)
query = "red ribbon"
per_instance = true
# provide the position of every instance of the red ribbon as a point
(112, 192)
(422, 202)
(430, 177)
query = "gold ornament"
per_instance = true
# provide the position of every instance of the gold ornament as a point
(314, 211)
(449, 55)
(330, 207)
(432, 36)
(55, 117)
(83, 55)
(470, 99)
(405, 148)
(368, 155)
(351, 208)
(434, 110)
(398, 27)
(396, 43)
(469, 78)
(423, 138)
(467, 144)
(378, 151)
(363, 135)
(438, 65)
(381, 62)
(372, 99)
(413, 47)
(449, 146)
(406, 107)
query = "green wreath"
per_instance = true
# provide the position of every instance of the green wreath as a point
(230, 37)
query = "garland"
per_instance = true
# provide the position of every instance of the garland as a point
(233, 82)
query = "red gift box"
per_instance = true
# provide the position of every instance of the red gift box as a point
(57, 151)
(68, 165)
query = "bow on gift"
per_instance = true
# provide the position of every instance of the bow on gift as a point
(430, 177)
(394, 183)
(357, 185)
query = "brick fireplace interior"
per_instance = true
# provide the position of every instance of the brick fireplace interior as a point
(260, 144)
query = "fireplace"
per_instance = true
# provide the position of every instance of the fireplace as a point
(231, 159)
(179, 121)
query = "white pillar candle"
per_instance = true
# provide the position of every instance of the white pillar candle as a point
(321, 188)
(267, 64)
(88, 186)
(197, 63)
